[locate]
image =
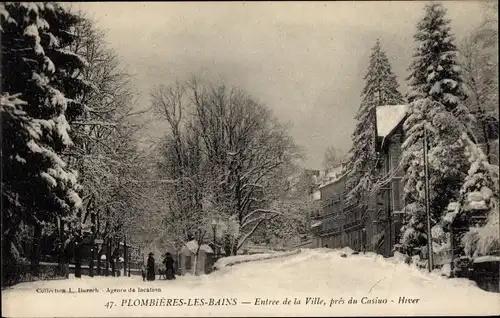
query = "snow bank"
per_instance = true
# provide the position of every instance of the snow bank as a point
(193, 247)
(487, 258)
(310, 273)
(238, 259)
(446, 270)
(346, 251)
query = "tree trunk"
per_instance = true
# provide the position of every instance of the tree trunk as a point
(113, 267)
(35, 255)
(195, 265)
(486, 141)
(99, 264)
(234, 247)
(128, 265)
(452, 252)
(227, 249)
(62, 250)
(125, 257)
(10, 272)
(112, 259)
(92, 247)
(92, 256)
(108, 256)
(227, 246)
(78, 264)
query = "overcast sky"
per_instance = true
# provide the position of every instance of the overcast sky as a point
(304, 60)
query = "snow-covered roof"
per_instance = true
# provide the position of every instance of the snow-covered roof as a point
(193, 247)
(316, 224)
(334, 172)
(388, 117)
(206, 248)
(332, 176)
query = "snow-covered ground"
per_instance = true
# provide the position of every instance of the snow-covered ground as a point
(238, 259)
(242, 290)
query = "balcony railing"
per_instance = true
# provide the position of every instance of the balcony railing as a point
(330, 232)
(352, 224)
(353, 207)
(331, 200)
(333, 215)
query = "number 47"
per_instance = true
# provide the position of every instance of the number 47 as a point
(109, 304)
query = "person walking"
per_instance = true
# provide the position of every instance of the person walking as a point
(151, 275)
(169, 266)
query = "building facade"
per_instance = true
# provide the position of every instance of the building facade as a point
(327, 223)
(375, 224)
(387, 200)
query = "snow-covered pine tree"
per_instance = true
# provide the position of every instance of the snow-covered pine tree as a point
(479, 205)
(436, 71)
(436, 100)
(446, 166)
(381, 88)
(37, 188)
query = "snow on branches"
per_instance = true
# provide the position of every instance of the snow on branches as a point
(436, 71)
(228, 153)
(479, 200)
(39, 189)
(36, 130)
(381, 88)
(436, 103)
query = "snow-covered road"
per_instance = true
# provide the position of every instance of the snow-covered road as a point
(321, 280)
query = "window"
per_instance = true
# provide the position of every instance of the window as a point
(401, 187)
(396, 196)
(187, 262)
(492, 128)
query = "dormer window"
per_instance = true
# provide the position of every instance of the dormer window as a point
(492, 128)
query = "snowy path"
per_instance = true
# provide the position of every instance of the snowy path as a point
(312, 273)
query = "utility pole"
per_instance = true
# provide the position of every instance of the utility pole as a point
(427, 208)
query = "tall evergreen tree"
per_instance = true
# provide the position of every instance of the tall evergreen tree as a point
(37, 187)
(435, 71)
(436, 101)
(381, 88)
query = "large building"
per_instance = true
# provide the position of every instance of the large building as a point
(375, 227)
(327, 223)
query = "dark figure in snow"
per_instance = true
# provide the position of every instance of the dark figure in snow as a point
(151, 267)
(169, 266)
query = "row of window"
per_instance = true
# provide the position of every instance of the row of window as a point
(333, 200)
(390, 200)
(355, 240)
